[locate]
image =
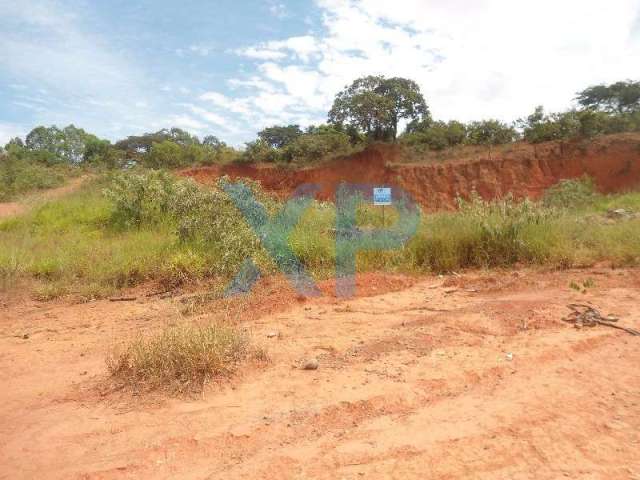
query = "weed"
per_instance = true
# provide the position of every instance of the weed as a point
(181, 358)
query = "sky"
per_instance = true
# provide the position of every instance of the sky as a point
(229, 68)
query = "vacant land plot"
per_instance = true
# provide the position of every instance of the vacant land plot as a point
(470, 375)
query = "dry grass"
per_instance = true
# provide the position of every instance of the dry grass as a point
(182, 358)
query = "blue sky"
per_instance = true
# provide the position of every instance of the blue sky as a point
(229, 68)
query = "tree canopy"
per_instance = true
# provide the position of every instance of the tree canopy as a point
(280, 136)
(143, 143)
(375, 105)
(618, 97)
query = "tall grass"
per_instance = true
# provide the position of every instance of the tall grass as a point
(18, 176)
(152, 227)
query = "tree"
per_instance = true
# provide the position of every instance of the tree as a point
(375, 106)
(166, 154)
(259, 151)
(142, 143)
(14, 142)
(317, 143)
(280, 136)
(213, 142)
(618, 97)
(96, 150)
(53, 145)
(490, 133)
(74, 142)
(407, 101)
(437, 135)
(48, 139)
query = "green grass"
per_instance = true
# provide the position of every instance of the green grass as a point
(86, 245)
(69, 245)
(18, 177)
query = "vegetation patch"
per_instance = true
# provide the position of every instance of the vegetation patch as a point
(181, 358)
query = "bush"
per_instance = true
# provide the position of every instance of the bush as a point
(574, 193)
(437, 135)
(141, 198)
(490, 132)
(205, 219)
(181, 359)
(539, 127)
(18, 176)
(317, 145)
(260, 151)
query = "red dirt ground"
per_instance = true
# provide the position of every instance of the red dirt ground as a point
(415, 381)
(613, 161)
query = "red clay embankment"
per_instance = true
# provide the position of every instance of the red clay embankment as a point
(526, 171)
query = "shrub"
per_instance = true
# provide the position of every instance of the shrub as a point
(437, 135)
(205, 219)
(259, 151)
(316, 145)
(573, 193)
(18, 176)
(140, 198)
(490, 132)
(539, 127)
(181, 358)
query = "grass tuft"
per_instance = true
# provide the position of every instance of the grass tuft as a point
(181, 358)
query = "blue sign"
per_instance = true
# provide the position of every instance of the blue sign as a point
(382, 196)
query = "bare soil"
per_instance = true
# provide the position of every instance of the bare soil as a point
(524, 170)
(469, 376)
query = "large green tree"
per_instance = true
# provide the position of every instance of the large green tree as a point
(619, 97)
(280, 136)
(143, 143)
(376, 105)
(59, 145)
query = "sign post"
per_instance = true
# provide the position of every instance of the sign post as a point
(382, 197)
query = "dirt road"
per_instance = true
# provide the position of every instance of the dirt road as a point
(457, 377)
(9, 209)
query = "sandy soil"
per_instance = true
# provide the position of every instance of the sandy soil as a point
(414, 383)
(9, 209)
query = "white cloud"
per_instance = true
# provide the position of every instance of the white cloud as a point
(187, 122)
(489, 58)
(261, 53)
(235, 105)
(50, 52)
(10, 130)
(202, 50)
(303, 47)
(278, 9)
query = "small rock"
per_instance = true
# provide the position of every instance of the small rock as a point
(273, 334)
(311, 364)
(25, 336)
(509, 356)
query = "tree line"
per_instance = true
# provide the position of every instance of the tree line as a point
(371, 109)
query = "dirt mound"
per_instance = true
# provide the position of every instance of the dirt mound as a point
(525, 170)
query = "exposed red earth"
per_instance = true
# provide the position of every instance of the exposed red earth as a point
(526, 171)
(469, 376)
